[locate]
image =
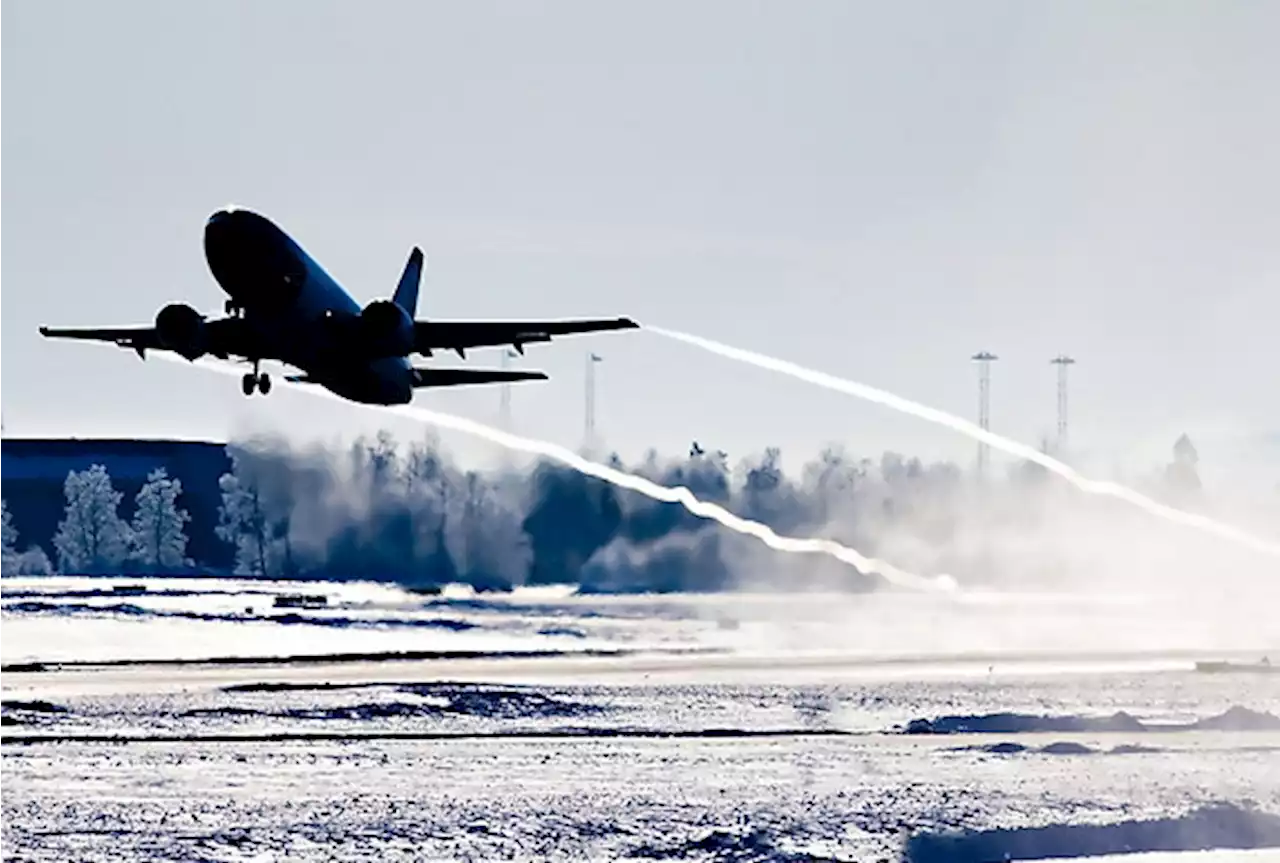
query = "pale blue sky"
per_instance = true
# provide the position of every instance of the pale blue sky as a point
(877, 190)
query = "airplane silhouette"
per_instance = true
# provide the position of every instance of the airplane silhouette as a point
(283, 306)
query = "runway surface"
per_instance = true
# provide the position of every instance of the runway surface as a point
(655, 731)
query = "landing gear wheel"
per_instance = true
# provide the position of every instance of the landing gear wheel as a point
(248, 384)
(264, 383)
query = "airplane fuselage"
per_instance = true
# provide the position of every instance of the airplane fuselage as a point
(288, 302)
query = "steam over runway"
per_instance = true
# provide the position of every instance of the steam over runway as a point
(795, 545)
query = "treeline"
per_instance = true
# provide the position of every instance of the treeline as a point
(92, 538)
(378, 510)
(408, 514)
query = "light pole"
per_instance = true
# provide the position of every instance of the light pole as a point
(984, 359)
(590, 418)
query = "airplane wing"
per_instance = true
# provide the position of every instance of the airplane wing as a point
(138, 338)
(423, 377)
(222, 338)
(460, 335)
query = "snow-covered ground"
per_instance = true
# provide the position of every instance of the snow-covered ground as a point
(196, 721)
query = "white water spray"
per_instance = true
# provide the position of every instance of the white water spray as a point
(679, 494)
(685, 498)
(1012, 447)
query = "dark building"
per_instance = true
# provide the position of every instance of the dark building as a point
(33, 470)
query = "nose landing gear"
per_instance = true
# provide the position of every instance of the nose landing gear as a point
(255, 381)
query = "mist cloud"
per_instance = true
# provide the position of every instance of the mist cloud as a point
(384, 510)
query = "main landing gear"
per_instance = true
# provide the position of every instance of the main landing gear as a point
(255, 380)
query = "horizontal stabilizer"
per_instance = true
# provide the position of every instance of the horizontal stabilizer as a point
(462, 335)
(424, 377)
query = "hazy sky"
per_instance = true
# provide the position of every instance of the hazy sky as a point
(874, 189)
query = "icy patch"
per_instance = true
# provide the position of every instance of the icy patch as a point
(1216, 826)
(434, 701)
(1062, 747)
(126, 609)
(1234, 719)
(30, 712)
(726, 845)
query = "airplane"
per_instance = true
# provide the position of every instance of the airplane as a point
(283, 306)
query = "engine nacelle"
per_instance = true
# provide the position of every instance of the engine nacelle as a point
(386, 330)
(180, 328)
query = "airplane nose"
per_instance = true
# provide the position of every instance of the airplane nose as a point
(230, 213)
(223, 215)
(237, 221)
(252, 259)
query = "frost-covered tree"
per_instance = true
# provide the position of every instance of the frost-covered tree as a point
(91, 537)
(33, 561)
(258, 506)
(1182, 477)
(383, 460)
(159, 527)
(429, 488)
(9, 533)
(9, 536)
(424, 470)
(242, 522)
(766, 493)
(486, 537)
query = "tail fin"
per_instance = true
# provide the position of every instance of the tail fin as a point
(435, 377)
(406, 295)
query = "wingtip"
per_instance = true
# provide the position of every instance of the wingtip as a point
(44, 331)
(630, 324)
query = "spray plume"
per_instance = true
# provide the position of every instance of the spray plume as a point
(622, 479)
(682, 496)
(1012, 447)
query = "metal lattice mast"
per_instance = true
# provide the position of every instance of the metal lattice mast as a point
(504, 407)
(590, 419)
(1062, 361)
(984, 360)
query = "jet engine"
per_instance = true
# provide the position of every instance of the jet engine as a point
(180, 328)
(386, 330)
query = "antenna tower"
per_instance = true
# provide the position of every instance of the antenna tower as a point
(504, 406)
(984, 360)
(589, 429)
(1063, 362)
